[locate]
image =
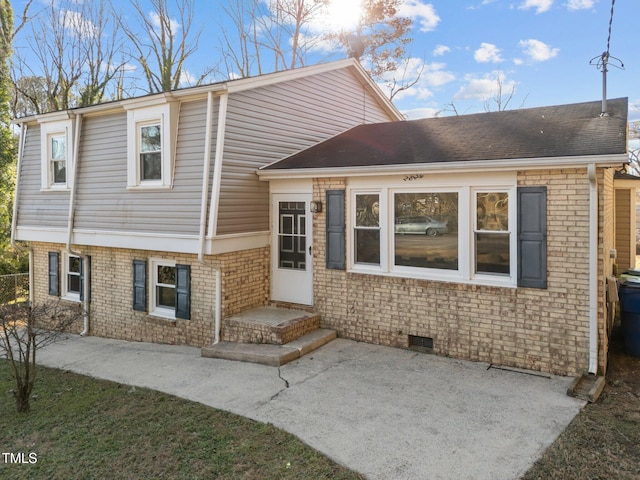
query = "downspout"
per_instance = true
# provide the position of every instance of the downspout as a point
(72, 208)
(593, 269)
(14, 219)
(206, 169)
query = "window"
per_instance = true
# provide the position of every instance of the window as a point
(169, 288)
(491, 233)
(163, 295)
(58, 159)
(72, 285)
(150, 152)
(151, 133)
(67, 278)
(367, 229)
(461, 233)
(55, 154)
(426, 230)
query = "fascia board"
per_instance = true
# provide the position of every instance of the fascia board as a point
(444, 167)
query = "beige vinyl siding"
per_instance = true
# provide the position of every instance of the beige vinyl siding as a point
(36, 208)
(270, 123)
(105, 203)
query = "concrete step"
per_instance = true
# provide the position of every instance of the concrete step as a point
(272, 325)
(268, 354)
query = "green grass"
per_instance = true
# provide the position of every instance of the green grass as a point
(80, 427)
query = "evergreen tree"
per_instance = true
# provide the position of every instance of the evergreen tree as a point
(10, 261)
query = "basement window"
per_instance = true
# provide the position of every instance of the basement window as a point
(421, 344)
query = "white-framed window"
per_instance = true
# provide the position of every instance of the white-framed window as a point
(71, 277)
(162, 298)
(55, 141)
(461, 232)
(151, 133)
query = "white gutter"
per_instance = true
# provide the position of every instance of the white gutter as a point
(72, 208)
(593, 269)
(205, 176)
(205, 196)
(14, 218)
(217, 166)
(612, 160)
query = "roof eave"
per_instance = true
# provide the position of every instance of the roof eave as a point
(612, 160)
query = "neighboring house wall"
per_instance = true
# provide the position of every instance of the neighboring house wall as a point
(538, 329)
(244, 285)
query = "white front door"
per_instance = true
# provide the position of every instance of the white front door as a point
(291, 254)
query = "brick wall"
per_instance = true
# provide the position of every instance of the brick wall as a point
(244, 280)
(545, 330)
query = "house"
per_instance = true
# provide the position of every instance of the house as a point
(148, 211)
(519, 278)
(486, 237)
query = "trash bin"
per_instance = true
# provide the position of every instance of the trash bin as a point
(630, 316)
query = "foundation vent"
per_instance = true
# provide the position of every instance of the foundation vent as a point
(421, 343)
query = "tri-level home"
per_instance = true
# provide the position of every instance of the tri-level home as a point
(487, 237)
(149, 210)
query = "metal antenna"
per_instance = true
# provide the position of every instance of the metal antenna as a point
(603, 61)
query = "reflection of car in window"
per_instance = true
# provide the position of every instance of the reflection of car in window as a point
(420, 225)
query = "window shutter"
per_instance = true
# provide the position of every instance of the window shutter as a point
(335, 230)
(140, 285)
(85, 276)
(54, 273)
(183, 291)
(532, 237)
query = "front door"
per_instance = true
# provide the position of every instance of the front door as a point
(291, 269)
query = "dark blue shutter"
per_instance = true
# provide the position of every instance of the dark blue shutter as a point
(85, 276)
(54, 273)
(183, 291)
(335, 230)
(532, 237)
(140, 285)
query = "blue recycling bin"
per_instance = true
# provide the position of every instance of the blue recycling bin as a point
(629, 293)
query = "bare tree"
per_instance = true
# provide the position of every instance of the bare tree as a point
(167, 43)
(269, 36)
(74, 45)
(24, 330)
(634, 147)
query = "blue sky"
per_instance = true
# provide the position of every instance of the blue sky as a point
(542, 48)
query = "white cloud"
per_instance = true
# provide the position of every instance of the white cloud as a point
(440, 50)
(487, 53)
(422, 13)
(422, 112)
(155, 20)
(483, 88)
(580, 4)
(187, 79)
(540, 5)
(77, 24)
(538, 51)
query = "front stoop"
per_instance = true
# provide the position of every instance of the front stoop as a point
(270, 336)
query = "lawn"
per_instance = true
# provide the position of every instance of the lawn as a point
(80, 427)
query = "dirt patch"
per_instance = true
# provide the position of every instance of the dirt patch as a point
(603, 441)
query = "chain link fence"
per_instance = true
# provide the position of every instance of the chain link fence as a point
(14, 288)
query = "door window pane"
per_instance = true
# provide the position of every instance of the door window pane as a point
(292, 246)
(426, 230)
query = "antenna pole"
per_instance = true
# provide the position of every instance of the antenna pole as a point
(605, 58)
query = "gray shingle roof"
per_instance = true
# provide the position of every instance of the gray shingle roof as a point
(557, 131)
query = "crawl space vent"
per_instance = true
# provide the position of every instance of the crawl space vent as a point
(420, 343)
